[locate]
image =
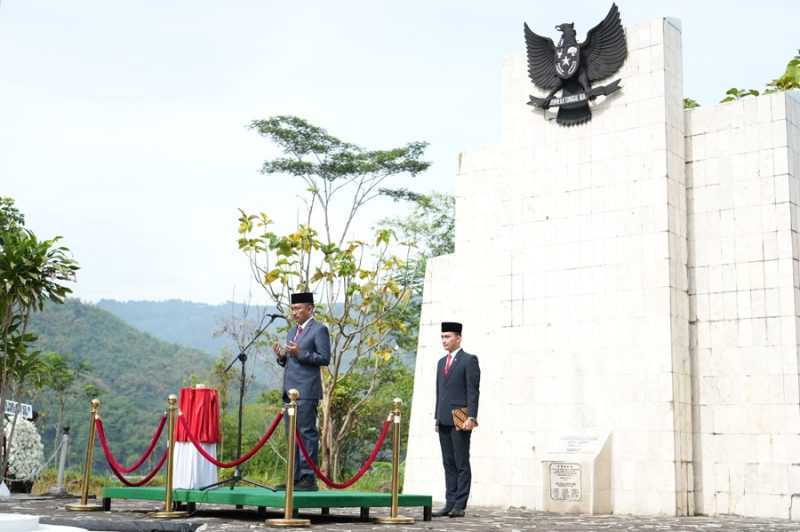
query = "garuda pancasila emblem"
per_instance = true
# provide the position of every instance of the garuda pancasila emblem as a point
(573, 66)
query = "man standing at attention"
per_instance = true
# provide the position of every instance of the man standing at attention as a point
(458, 379)
(307, 348)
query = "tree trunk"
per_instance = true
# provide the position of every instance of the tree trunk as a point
(326, 434)
(8, 442)
(335, 462)
(62, 407)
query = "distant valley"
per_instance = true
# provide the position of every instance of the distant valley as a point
(181, 322)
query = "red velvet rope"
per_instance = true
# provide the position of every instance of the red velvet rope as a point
(361, 471)
(238, 461)
(146, 479)
(112, 462)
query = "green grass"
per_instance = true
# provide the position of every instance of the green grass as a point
(73, 482)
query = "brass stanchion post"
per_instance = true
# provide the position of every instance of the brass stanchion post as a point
(288, 519)
(84, 505)
(168, 511)
(393, 518)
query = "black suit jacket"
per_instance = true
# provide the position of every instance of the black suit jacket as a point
(303, 371)
(460, 388)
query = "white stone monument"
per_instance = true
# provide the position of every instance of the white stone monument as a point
(637, 275)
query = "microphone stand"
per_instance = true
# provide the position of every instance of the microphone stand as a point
(237, 474)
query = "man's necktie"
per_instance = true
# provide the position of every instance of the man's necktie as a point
(447, 364)
(297, 336)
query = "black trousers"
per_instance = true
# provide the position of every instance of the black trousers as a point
(457, 471)
(307, 427)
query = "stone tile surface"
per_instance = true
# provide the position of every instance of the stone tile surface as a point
(134, 516)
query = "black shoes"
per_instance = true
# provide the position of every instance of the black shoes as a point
(306, 483)
(443, 512)
(458, 512)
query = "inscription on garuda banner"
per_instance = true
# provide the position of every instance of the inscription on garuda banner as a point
(571, 66)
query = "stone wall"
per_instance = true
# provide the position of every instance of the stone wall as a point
(743, 194)
(597, 297)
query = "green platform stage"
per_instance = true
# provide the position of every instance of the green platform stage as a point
(262, 499)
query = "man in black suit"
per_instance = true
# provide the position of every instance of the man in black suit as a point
(307, 349)
(458, 379)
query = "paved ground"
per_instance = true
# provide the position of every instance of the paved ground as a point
(133, 516)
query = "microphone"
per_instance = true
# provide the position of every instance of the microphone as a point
(273, 316)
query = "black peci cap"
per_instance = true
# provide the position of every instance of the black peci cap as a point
(303, 297)
(451, 326)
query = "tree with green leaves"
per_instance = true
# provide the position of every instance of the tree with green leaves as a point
(737, 94)
(394, 379)
(32, 272)
(65, 378)
(431, 226)
(790, 79)
(360, 285)
(11, 219)
(689, 103)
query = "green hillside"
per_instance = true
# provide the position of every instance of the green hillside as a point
(135, 372)
(194, 325)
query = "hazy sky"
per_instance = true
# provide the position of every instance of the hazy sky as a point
(123, 124)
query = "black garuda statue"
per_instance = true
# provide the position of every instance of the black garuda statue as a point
(573, 66)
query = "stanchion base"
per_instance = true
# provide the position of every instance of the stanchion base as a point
(169, 515)
(399, 520)
(83, 507)
(288, 522)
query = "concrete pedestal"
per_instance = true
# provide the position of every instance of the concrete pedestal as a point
(577, 474)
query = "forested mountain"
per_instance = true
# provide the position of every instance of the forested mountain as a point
(134, 372)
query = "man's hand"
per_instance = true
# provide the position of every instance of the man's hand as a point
(292, 349)
(469, 425)
(278, 348)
